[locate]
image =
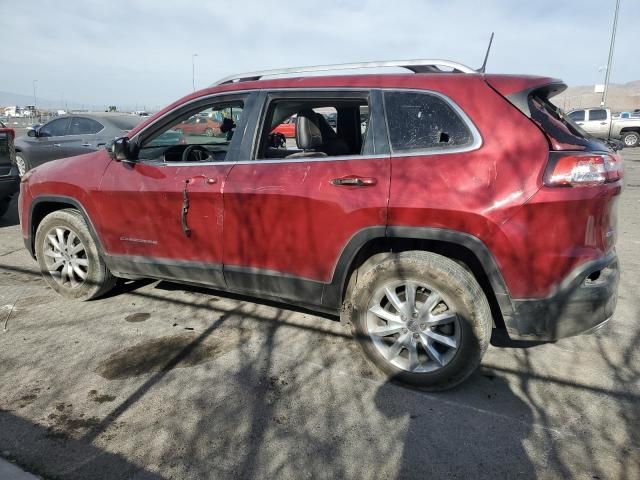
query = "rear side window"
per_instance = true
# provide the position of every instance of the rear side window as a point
(597, 115)
(84, 126)
(423, 121)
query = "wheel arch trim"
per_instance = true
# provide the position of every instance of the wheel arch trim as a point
(62, 200)
(333, 291)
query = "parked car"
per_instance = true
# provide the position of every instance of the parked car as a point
(599, 123)
(70, 135)
(9, 179)
(199, 125)
(468, 203)
(287, 127)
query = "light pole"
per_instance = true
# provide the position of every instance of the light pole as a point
(193, 70)
(611, 45)
(35, 100)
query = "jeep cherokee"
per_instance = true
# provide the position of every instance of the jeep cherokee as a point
(441, 204)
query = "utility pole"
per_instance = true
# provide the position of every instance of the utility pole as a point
(193, 70)
(611, 45)
(35, 101)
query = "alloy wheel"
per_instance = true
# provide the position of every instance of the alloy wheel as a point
(22, 167)
(413, 326)
(632, 140)
(66, 257)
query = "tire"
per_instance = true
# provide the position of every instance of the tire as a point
(631, 139)
(65, 223)
(23, 164)
(4, 205)
(448, 328)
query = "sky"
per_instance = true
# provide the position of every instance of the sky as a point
(139, 53)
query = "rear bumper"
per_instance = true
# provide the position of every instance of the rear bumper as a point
(585, 300)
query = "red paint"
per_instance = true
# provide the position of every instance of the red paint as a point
(287, 129)
(198, 126)
(288, 217)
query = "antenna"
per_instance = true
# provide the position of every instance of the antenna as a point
(486, 57)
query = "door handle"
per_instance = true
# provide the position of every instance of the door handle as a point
(603, 123)
(86, 144)
(57, 145)
(207, 180)
(354, 182)
(579, 123)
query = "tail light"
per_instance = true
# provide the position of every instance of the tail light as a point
(582, 169)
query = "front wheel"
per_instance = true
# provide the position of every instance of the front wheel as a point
(421, 318)
(631, 139)
(68, 257)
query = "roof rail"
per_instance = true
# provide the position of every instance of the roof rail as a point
(416, 66)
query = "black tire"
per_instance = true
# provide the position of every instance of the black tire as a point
(4, 205)
(23, 163)
(631, 139)
(99, 279)
(463, 295)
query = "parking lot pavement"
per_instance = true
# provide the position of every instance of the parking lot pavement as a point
(164, 381)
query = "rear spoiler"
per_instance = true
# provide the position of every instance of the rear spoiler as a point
(517, 89)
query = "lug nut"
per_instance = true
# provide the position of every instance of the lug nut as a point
(423, 326)
(416, 336)
(404, 330)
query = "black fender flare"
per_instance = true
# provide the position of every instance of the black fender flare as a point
(332, 294)
(61, 199)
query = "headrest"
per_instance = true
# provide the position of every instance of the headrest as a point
(308, 135)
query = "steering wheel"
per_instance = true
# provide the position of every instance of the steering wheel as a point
(202, 153)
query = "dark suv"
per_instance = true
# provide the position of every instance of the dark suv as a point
(463, 202)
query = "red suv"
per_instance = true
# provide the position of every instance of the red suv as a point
(463, 202)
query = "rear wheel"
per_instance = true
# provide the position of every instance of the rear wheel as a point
(23, 164)
(68, 257)
(631, 139)
(421, 318)
(208, 132)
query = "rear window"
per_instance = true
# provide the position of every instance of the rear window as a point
(560, 128)
(597, 115)
(422, 121)
(125, 122)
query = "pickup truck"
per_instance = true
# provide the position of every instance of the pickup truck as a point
(598, 123)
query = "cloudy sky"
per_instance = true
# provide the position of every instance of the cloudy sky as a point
(139, 52)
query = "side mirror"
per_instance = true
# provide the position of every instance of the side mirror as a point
(122, 150)
(32, 133)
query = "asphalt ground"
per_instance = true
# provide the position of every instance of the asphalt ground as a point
(160, 380)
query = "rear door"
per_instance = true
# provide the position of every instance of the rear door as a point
(83, 136)
(597, 123)
(288, 218)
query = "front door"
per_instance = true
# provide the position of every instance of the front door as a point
(50, 142)
(291, 209)
(162, 216)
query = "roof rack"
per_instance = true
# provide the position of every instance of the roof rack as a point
(416, 66)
